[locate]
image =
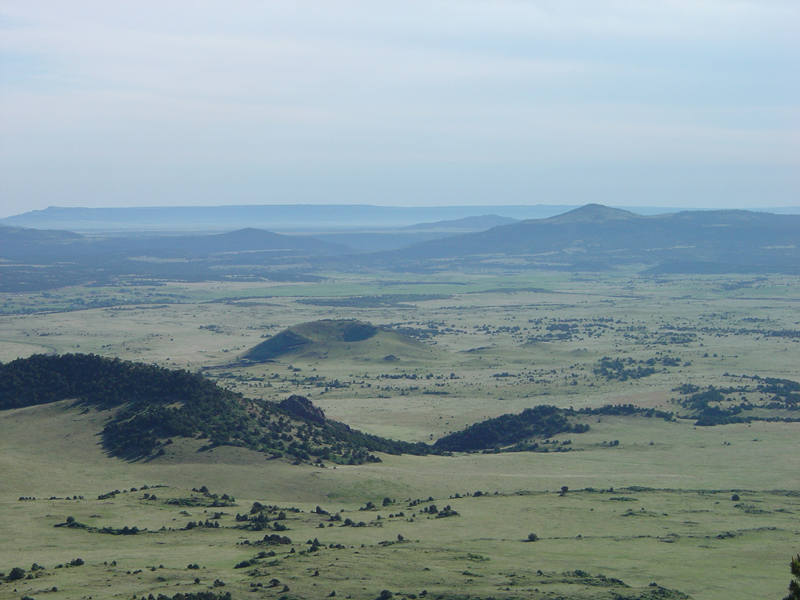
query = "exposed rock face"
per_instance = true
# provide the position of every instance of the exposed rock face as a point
(303, 407)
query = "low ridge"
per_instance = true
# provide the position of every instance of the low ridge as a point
(150, 405)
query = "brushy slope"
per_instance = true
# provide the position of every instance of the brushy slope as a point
(156, 404)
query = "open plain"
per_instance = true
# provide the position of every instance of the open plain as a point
(638, 506)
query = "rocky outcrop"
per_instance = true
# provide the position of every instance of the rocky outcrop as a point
(303, 408)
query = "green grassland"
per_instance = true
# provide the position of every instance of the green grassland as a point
(454, 349)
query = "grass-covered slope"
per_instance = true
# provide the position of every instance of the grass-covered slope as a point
(154, 404)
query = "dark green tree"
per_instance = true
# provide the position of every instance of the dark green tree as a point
(794, 584)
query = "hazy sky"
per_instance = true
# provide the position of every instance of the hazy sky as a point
(673, 103)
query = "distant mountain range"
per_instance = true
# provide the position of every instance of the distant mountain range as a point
(596, 237)
(477, 223)
(18, 241)
(393, 238)
(589, 238)
(292, 217)
(287, 217)
(40, 260)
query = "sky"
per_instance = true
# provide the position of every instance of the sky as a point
(186, 102)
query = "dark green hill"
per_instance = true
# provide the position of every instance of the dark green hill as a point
(597, 237)
(342, 338)
(524, 431)
(150, 405)
(309, 334)
(515, 430)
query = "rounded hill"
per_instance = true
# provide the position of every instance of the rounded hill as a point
(340, 338)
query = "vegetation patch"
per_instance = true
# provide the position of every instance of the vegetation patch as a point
(507, 430)
(623, 369)
(723, 405)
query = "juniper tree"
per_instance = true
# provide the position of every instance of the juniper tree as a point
(794, 584)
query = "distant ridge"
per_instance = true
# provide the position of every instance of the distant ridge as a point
(596, 237)
(290, 217)
(589, 238)
(477, 223)
(18, 241)
(284, 217)
(44, 259)
(248, 239)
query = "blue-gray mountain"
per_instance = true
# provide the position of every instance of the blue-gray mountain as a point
(596, 237)
(41, 260)
(590, 238)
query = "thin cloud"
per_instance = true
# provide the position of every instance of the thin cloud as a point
(687, 91)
